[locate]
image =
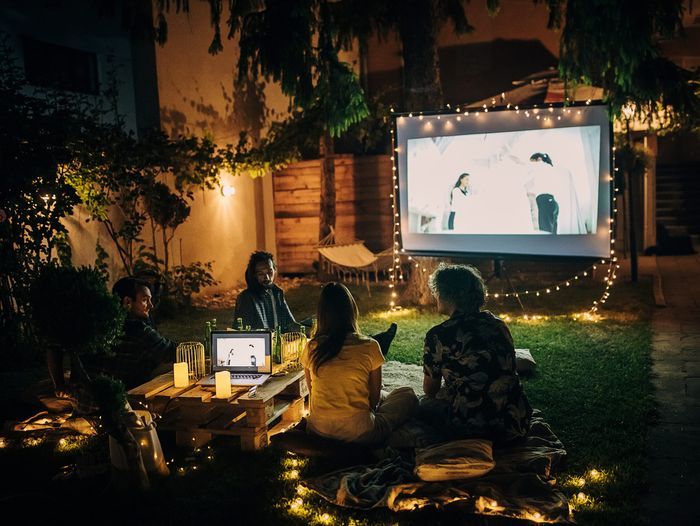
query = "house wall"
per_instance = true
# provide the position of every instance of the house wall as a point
(80, 26)
(83, 26)
(198, 96)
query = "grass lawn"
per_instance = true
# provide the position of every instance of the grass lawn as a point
(592, 384)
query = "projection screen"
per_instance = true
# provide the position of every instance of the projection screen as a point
(533, 182)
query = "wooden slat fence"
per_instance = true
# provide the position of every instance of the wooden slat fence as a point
(363, 208)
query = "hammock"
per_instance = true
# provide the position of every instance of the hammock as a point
(352, 260)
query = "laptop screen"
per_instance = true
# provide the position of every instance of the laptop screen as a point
(241, 351)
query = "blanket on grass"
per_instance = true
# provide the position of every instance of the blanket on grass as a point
(520, 486)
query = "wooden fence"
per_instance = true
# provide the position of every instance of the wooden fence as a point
(363, 207)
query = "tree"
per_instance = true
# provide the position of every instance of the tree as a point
(39, 128)
(417, 24)
(614, 44)
(297, 45)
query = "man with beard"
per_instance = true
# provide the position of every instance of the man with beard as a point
(262, 305)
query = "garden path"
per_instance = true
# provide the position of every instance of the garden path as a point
(674, 441)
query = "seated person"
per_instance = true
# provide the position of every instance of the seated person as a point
(473, 352)
(262, 305)
(343, 371)
(141, 349)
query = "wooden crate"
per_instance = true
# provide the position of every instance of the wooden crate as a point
(196, 415)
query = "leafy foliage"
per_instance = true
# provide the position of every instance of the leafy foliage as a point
(296, 45)
(39, 129)
(72, 309)
(185, 280)
(629, 160)
(120, 183)
(110, 396)
(614, 44)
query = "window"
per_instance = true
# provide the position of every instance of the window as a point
(53, 66)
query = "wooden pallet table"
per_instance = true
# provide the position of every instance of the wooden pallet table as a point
(196, 415)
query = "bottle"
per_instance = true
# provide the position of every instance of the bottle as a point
(207, 340)
(277, 349)
(213, 324)
(239, 324)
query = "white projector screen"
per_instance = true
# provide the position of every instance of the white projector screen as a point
(528, 182)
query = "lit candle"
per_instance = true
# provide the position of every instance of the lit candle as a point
(180, 374)
(223, 384)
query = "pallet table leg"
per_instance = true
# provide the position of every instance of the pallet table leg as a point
(254, 442)
(295, 411)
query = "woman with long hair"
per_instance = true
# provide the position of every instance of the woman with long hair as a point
(459, 194)
(343, 371)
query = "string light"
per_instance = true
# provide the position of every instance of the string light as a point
(395, 272)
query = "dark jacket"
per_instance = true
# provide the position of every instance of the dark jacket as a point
(140, 350)
(266, 309)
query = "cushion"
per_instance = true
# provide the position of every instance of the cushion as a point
(459, 459)
(524, 362)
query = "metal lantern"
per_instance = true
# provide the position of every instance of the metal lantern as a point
(292, 345)
(193, 354)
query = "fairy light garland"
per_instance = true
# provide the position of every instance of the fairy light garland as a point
(613, 265)
(546, 114)
(395, 273)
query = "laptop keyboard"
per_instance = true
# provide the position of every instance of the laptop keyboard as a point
(246, 376)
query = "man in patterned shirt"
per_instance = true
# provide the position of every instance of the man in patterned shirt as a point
(473, 353)
(262, 305)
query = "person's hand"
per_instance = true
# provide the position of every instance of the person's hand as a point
(62, 392)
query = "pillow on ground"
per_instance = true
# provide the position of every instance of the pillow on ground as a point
(524, 362)
(460, 459)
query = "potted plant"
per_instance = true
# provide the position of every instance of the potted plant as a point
(73, 313)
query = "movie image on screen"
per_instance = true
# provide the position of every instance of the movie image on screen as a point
(503, 183)
(240, 352)
(525, 182)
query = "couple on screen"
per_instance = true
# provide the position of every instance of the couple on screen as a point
(517, 198)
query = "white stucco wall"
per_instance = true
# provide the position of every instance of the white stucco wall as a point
(197, 96)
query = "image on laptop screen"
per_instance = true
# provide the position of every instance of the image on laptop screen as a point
(243, 352)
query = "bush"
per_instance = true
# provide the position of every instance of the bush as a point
(72, 309)
(185, 280)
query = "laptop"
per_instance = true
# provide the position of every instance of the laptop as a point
(245, 354)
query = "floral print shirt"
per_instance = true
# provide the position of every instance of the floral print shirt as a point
(474, 354)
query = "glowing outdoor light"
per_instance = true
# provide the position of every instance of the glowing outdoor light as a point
(223, 384)
(228, 190)
(180, 374)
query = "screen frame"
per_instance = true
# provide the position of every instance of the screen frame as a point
(267, 336)
(595, 246)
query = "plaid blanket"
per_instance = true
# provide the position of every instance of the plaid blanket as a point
(520, 486)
